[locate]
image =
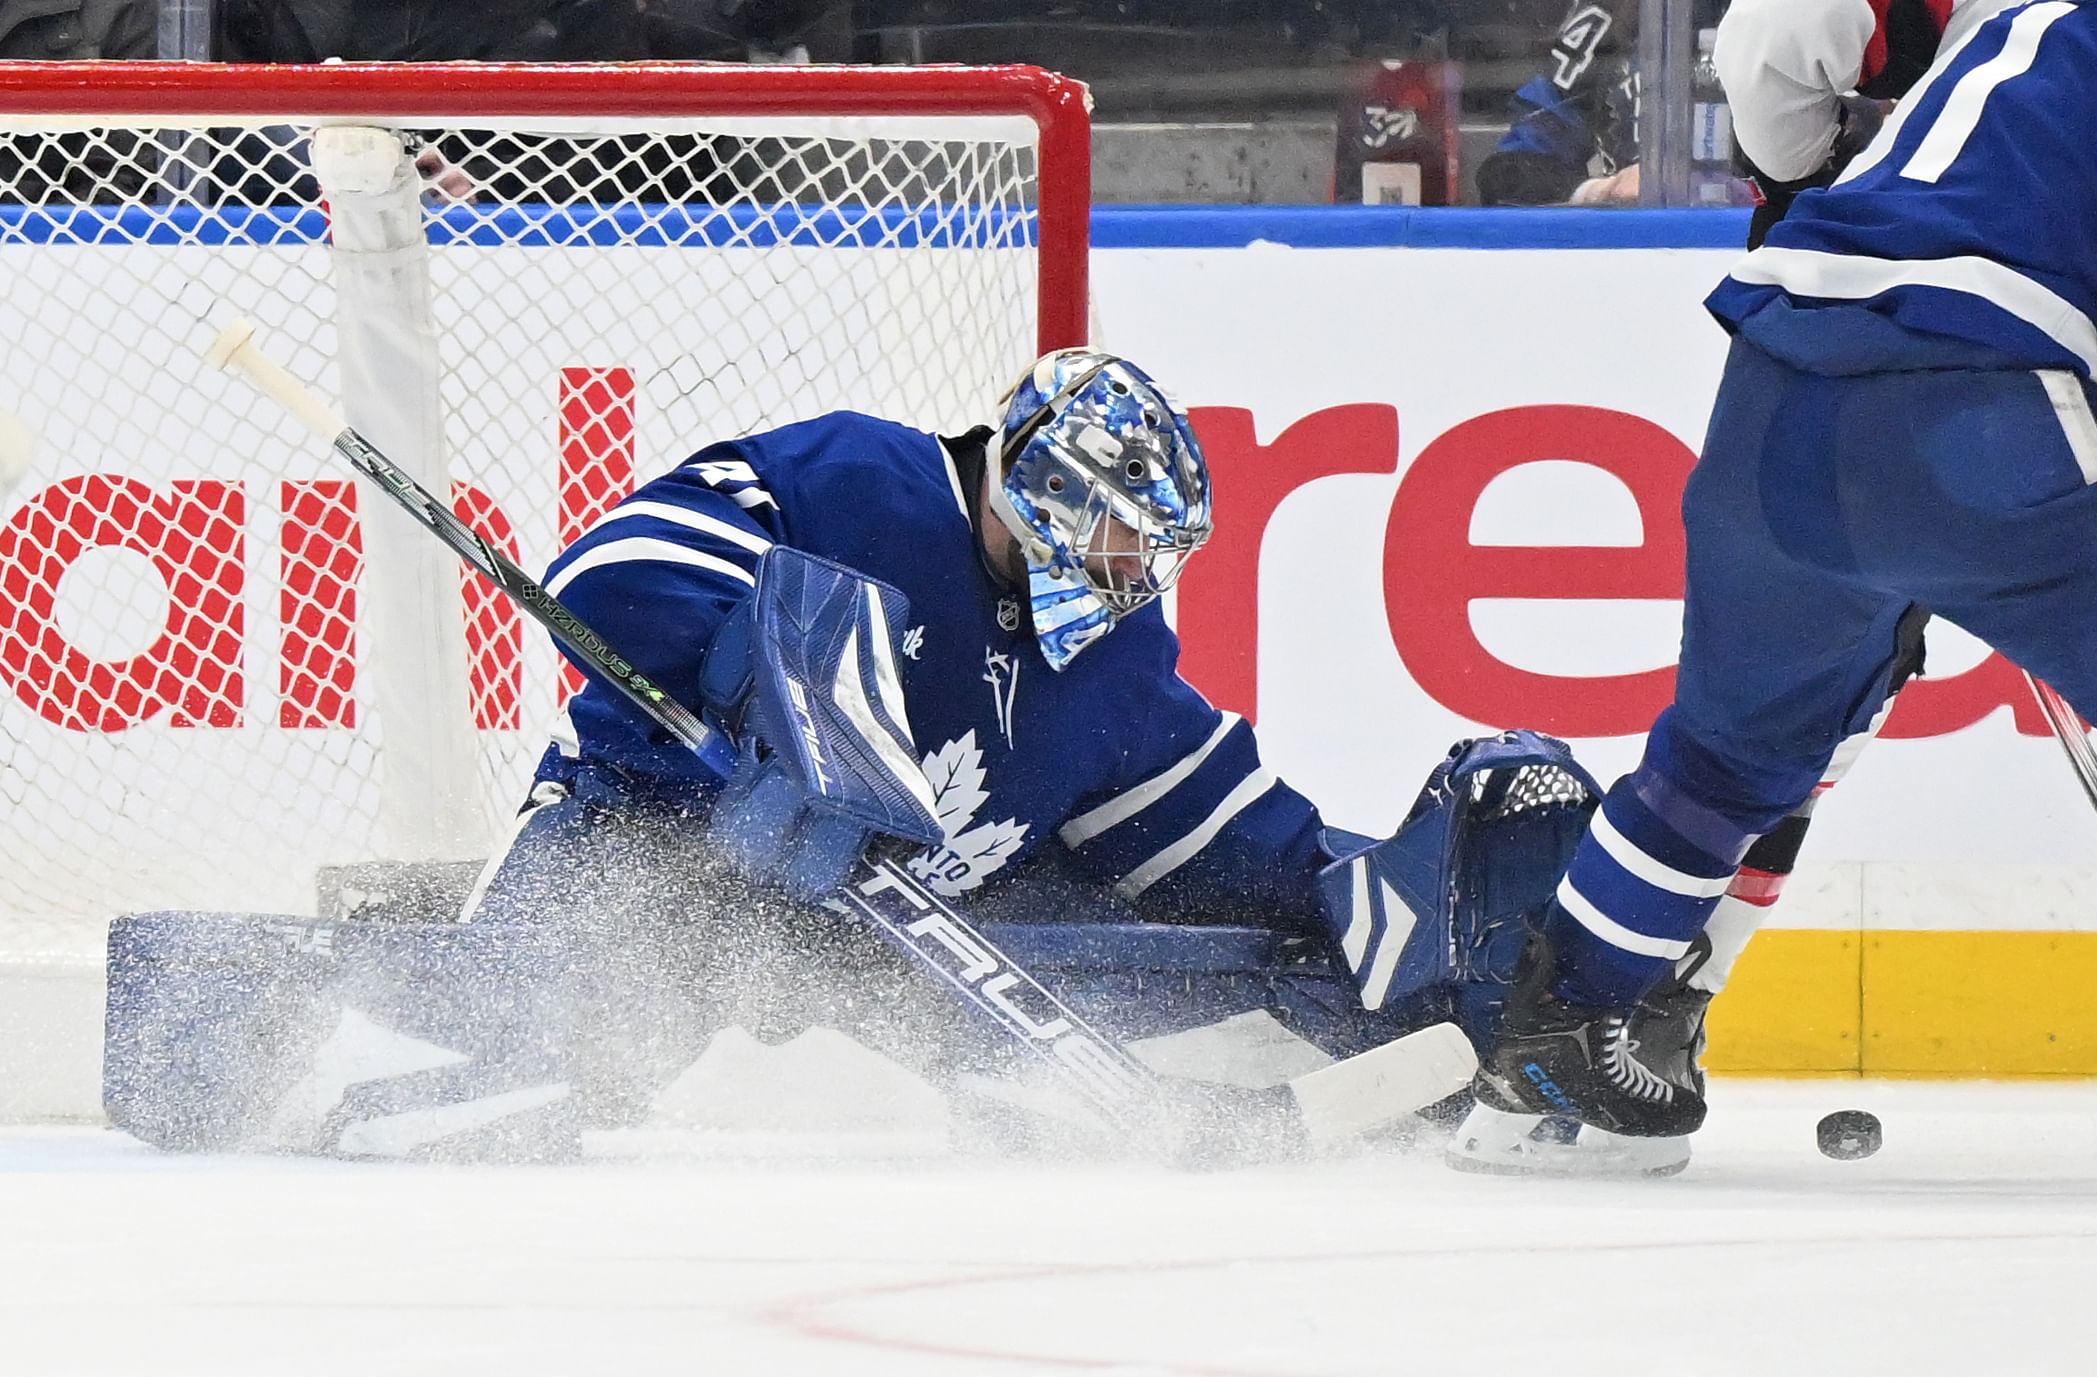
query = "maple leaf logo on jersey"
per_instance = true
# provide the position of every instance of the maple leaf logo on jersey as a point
(972, 852)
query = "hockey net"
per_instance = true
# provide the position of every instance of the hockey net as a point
(226, 669)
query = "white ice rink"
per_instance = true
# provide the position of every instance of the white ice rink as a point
(1968, 1246)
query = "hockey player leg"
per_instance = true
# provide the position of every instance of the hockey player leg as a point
(1666, 1029)
(1781, 661)
(564, 1002)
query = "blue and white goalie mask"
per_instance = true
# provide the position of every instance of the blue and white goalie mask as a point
(1103, 485)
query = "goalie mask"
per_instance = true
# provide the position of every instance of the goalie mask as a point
(1104, 486)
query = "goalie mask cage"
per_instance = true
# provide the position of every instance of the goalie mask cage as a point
(227, 669)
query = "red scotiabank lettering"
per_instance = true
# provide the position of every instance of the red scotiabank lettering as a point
(597, 465)
(1219, 603)
(323, 559)
(494, 626)
(192, 533)
(323, 552)
(1433, 573)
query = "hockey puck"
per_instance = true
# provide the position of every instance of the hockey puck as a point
(1850, 1135)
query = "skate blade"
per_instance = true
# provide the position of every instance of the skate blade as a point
(1493, 1142)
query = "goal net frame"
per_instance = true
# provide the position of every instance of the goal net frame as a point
(174, 96)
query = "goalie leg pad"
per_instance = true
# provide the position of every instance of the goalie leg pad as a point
(221, 1026)
(209, 1020)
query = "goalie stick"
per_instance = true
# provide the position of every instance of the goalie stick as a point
(1335, 1102)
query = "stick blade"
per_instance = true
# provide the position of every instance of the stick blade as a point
(1385, 1084)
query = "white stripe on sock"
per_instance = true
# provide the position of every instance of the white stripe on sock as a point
(1613, 932)
(1658, 874)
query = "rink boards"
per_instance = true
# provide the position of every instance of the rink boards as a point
(1450, 449)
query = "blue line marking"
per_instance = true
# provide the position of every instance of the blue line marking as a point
(927, 226)
(1376, 227)
(542, 226)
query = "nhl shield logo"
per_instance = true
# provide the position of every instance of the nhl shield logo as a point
(1008, 614)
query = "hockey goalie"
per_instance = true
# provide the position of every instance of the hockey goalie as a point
(948, 648)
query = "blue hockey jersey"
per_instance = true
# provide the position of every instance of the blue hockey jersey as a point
(1961, 237)
(1113, 768)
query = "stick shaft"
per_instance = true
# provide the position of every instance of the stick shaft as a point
(2068, 730)
(236, 350)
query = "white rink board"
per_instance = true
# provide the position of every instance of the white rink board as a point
(1441, 335)
(241, 815)
(1975, 829)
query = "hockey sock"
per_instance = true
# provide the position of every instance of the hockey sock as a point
(1636, 893)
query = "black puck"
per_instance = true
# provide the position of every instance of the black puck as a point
(1850, 1135)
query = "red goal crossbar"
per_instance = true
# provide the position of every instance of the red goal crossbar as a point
(1059, 107)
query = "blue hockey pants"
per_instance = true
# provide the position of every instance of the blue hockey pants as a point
(1822, 510)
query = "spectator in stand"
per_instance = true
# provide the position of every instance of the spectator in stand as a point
(70, 31)
(429, 30)
(1573, 139)
(534, 30)
(1574, 134)
(751, 30)
(76, 30)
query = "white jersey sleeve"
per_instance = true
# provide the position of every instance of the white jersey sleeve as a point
(1786, 64)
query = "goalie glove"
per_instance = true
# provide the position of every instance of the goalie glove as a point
(1448, 901)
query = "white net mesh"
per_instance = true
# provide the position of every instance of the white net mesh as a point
(184, 631)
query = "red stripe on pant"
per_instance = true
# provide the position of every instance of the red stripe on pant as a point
(1757, 887)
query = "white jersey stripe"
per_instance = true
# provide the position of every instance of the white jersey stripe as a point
(690, 520)
(1399, 921)
(1948, 50)
(2072, 406)
(1955, 123)
(1658, 874)
(953, 478)
(1853, 277)
(1123, 806)
(644, 549)
(1851, 747)
(1613, 932)
(1355, 944)
(1189, 846)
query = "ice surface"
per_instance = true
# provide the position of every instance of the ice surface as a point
(1968, 1246)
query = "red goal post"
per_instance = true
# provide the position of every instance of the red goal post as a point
(220, 673)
